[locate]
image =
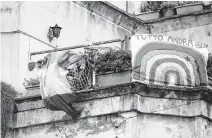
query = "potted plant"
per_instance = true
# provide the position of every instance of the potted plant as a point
(150, 10)
(186, 7)
(207, 5)
(32, 86)
(113, 67)
(167, 9)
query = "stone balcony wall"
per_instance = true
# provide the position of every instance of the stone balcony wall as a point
(120, 111)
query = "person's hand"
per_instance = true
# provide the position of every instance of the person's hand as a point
(62, 56)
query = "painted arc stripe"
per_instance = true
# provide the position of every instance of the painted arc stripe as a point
(152, 60)
(168, 75)
(182, 80)
(201, 63)
(160, 77)
(184, 57)
(164, 62)
(148, 55)
(159, 66)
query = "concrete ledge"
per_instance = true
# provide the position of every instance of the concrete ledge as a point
(178, 22)
(128, 123)
(114, 14)
(135, 96)
(36, 114)
(184, 93)
(92, 108)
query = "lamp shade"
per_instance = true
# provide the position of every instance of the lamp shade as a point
(56, 30)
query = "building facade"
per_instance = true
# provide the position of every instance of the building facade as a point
(131, 110)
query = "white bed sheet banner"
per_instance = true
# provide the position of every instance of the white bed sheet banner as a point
(167, 60)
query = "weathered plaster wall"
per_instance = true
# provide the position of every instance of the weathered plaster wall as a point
(10, 16)
(197, 27)
(152, 126)
(151, 112)
(9, 42)
(82, 26)
(79, 25)
(9, 58)
(91, 127)
(143, 126)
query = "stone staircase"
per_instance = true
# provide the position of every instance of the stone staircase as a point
(119, 111)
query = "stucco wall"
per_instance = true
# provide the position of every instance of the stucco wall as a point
(9, 42)
(10, 58)
(132, 110)
(143, 126)
(80, 26)
(9, 16)
(197, 27)
(92, 127)
(153, 126)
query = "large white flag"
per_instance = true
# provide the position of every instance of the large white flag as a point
(166, 60)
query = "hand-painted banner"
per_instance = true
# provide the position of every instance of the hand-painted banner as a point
(167, 60)
(171, 39)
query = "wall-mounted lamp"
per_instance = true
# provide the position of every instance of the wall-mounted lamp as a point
(54, 32)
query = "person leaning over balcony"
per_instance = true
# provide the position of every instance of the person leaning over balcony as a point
(54, 87)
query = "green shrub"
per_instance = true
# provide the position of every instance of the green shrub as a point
(113, 61)
(151, 6)
(31, 82)
(7, 103)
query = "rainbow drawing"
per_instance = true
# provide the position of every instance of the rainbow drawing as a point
(169, 64)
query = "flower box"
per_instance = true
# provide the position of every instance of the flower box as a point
(168, 12)
(32, 86)
(149, 15)
(112, 78)
(32, 90)
(190, 8)
(112, 67)
(207, 5)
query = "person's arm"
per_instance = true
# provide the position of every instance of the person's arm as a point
(61, 57)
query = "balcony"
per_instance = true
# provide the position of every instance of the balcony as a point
(116, 109)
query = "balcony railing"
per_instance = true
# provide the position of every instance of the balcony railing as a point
(123, 44)
(82, 46)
